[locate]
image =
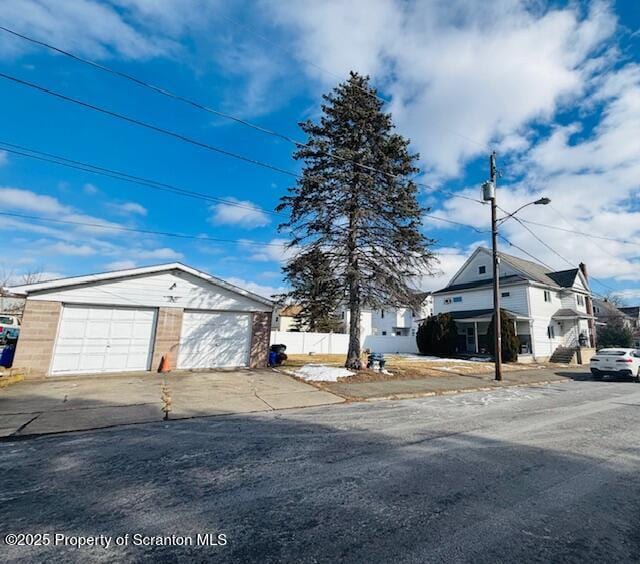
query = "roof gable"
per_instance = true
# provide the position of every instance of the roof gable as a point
(91, 279)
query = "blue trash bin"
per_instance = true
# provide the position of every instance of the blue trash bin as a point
(6, 355)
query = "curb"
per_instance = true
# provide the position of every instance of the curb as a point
(455, 392)
(8, 380)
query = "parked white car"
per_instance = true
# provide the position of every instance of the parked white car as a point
(616, 362)
(9, 328)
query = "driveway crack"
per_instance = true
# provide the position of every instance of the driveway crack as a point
(19, 429)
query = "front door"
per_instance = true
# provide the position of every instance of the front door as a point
(471, 340)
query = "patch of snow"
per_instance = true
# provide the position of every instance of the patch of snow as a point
(322, 373)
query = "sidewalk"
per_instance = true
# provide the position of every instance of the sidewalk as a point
(59, 405)
(449, 384)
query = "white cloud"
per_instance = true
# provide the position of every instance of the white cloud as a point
(163, 253)
(86, 27)
(90, 189)
(260, 289)
(121, 265)
(73, 250)
(130, 208)
(4, 158)
(28, 201)
(275, 251)
(247, 216)
(461, 74)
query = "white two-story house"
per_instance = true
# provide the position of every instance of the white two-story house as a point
(391, 321)
(549, 309)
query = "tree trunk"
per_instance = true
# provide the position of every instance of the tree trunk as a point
(353, 273)
(353, 354)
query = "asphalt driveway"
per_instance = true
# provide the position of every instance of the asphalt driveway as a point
(91, 402)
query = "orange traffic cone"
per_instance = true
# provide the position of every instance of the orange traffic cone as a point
(165, 364)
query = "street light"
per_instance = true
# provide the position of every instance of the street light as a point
(489, 194)
(541, 202)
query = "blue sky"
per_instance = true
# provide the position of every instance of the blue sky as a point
(554, 88)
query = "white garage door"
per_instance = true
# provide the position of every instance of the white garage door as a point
(214, 340)
(103, 339)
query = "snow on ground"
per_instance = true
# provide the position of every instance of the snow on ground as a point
(425, 358)
(322, 373)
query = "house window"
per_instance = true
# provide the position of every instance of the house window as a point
(342, 315)
(384, 332)
(551, 332)
(580, 300)
(382, 313)
(482, 270)
(457, 299)
(505, 294)
(547, 296)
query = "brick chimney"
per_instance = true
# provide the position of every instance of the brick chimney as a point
(589, 303)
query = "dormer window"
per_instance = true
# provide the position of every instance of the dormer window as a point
(482, 269)
(547, 296)
(580, 300)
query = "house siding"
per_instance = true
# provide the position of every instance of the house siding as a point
(175, 289)
(470, 272)
(483, 299)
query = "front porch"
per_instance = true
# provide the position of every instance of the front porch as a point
(473, 326)
(570, 328)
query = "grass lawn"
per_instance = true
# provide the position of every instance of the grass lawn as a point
(403, 366)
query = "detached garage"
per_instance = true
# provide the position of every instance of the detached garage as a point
(128, 320)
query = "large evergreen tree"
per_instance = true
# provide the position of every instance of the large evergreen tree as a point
(510, 340)
(356, 202)
(315, 290)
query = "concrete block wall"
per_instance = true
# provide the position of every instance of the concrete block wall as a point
(167, 338)
(37, 337)
(260, 335)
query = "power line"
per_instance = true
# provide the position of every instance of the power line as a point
(540, 240)
(219, 240)
(151, 86)
(136, 230)
(581, 233)
(123, 176)
(146, 125)
(163, 186)
(452, 222)
(200, 106)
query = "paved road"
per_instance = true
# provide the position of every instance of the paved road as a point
(548, 474)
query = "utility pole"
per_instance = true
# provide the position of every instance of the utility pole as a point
(497, 329)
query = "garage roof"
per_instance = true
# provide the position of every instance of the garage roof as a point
(28, 289)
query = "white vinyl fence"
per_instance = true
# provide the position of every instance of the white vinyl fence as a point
(338, 343)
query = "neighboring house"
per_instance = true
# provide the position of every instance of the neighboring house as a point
(549, 309)
(285, 318)
(608, 314)
(634, 313)
(392, 321)
(129, 319)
